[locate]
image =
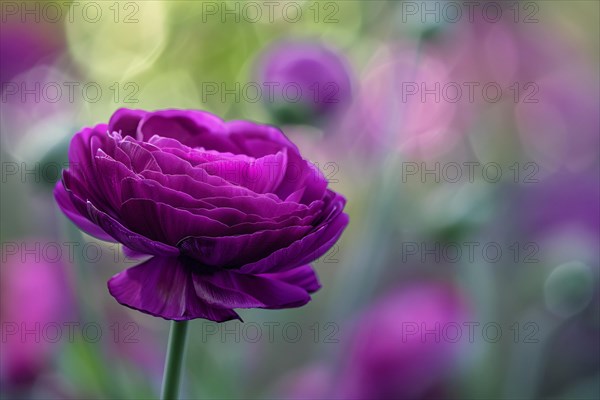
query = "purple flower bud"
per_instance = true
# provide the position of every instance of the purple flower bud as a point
(310, 81)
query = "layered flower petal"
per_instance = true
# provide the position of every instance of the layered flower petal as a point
(258, 140)
(164, 287)
(126, 121)
(234, 251)
(133, 240)
(82, 165)
(312, 246)
(174, 288)
(231, 289)
(66, 205)
(192, 128)
(303, 276)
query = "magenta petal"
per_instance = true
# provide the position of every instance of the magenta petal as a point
(142, 158)
(258, 140)
(255, 225)
(126, 121)
(304, 176)
(296, 196)
(164, 287)
(190, 127)
(230, 289)
(315, 184)
(132, 188)
(262, 175)
(235, 251)
(167, 224)
(82, 167)
(133, 254)
(66, 205)
(110, 175)
(201, 187)
(303, 277)
(193, 155)
(303, 251)
(136, 188)
(264, 206)
(81, 155)
(128, 238)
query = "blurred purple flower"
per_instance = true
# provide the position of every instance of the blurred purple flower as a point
(231, 212)
(24, 45)
(406, 344)
(311, 81)
(560, 202)
(35, 302)
(560, 129)
(544, 77)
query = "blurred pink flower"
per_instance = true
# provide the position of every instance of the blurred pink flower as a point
(35, 303)
(403, 104)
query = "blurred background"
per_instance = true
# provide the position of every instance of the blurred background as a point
(465, 136)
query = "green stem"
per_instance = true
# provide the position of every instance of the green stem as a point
(174, 360)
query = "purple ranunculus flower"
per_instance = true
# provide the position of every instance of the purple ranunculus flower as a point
(309, 81)
(229, 211)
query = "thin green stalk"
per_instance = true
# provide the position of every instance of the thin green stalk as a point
(174, 360)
